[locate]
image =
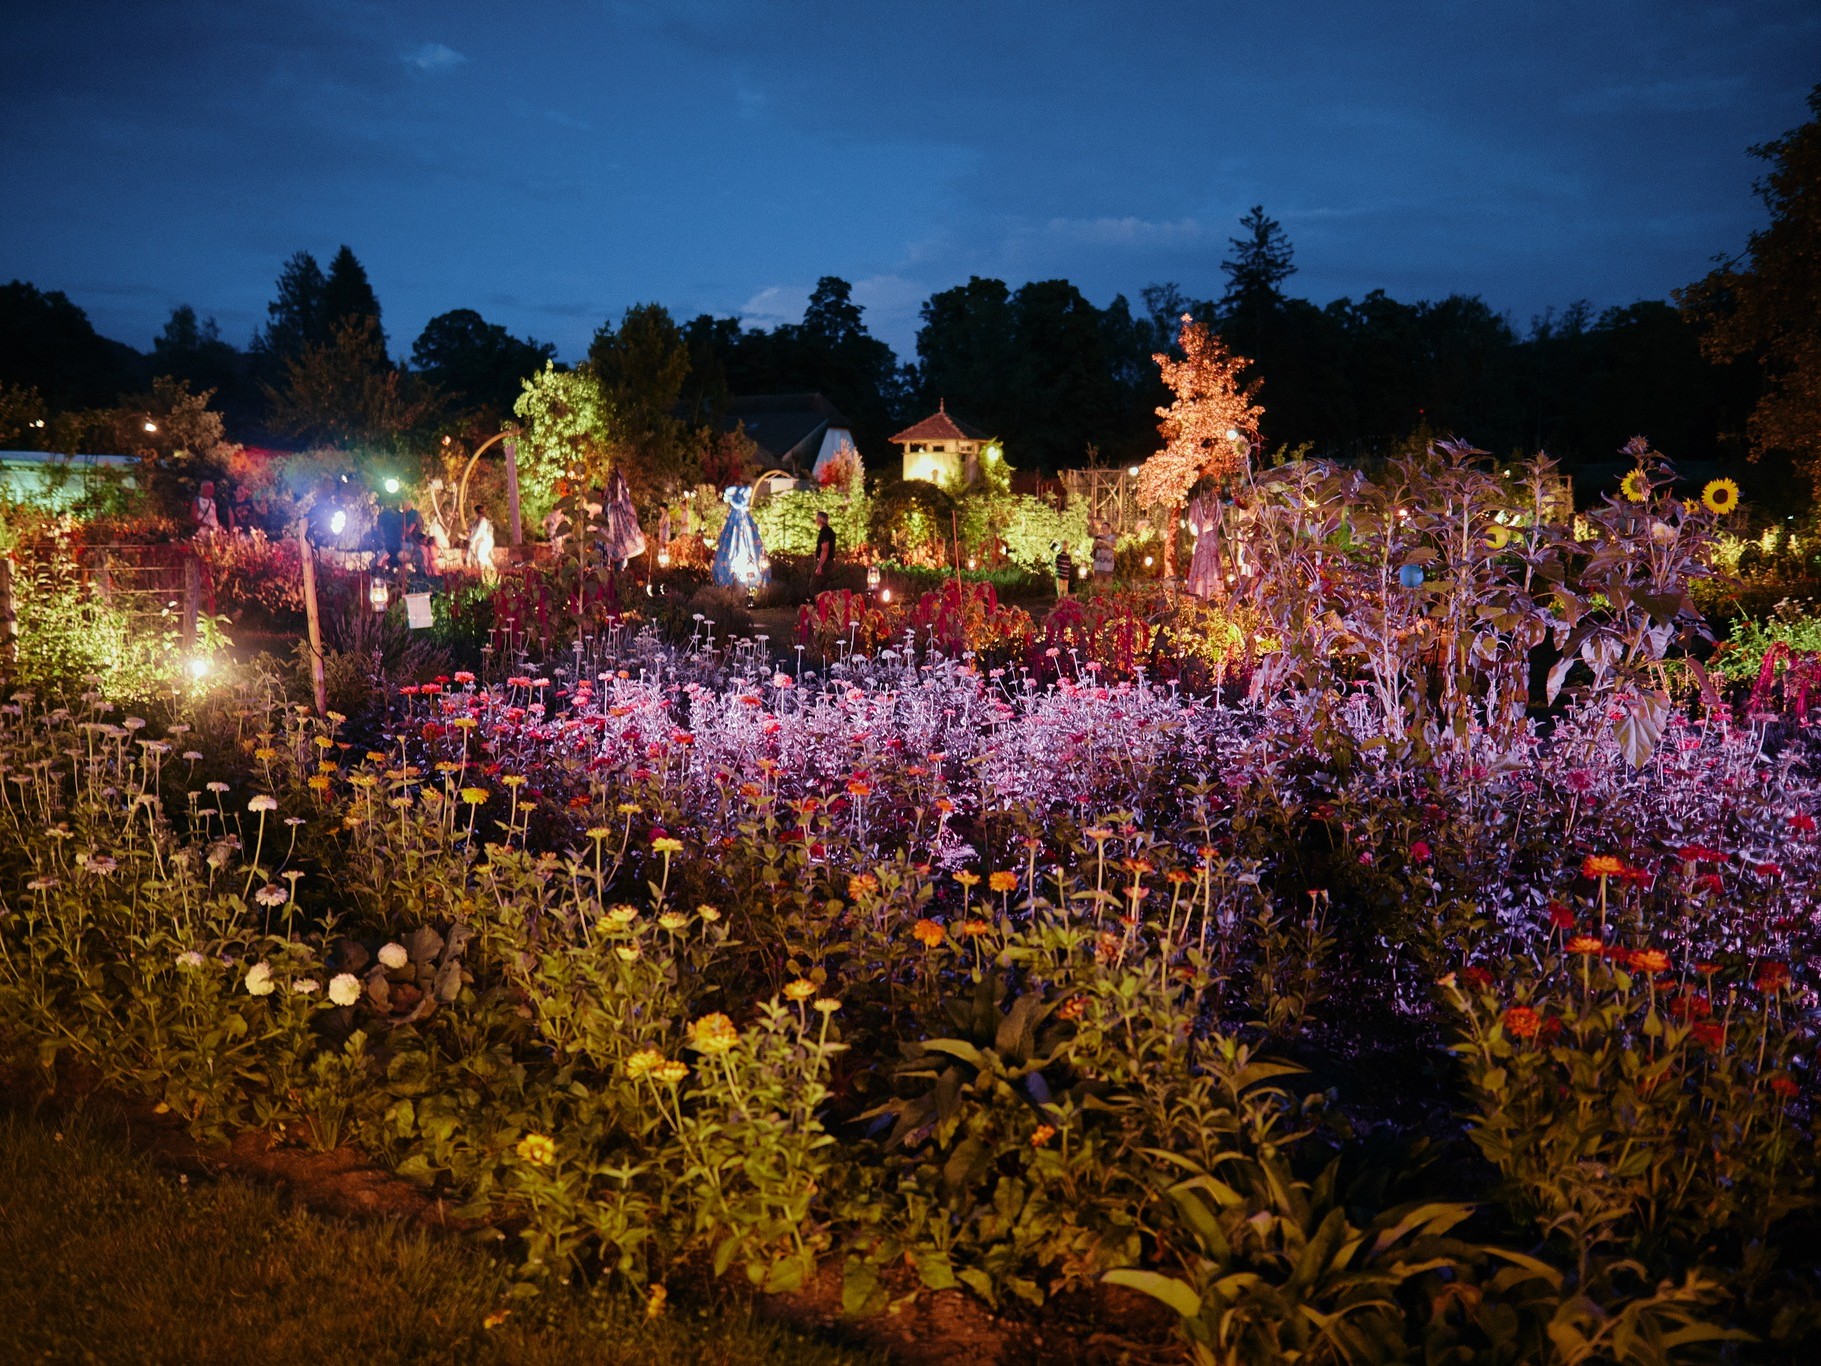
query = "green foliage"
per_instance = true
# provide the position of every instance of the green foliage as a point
(567, 430)
(787, 521)
(1025, 526)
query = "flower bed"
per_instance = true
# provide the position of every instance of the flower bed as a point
(983, 981)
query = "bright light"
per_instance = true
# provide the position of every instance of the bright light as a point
(885, 595)
(972, 563)
(392, 486)
(1132, 470)
(1148, 561)
(199, 667)
(37, 422)
(338, 523)
(1232, 433)
(150, 425)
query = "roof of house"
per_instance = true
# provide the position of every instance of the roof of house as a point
(784, 426)
(939, 426)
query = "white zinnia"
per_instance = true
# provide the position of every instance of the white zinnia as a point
(259, 979)
(189, 958)
(263, 803)
(394, 956)
(344, 989)
(306, 986)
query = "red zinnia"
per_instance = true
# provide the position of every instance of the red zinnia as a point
(1771, 977)
(1521, 1022)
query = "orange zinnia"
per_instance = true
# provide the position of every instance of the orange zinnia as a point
(1584, 943)
(1521, 1022)
(1650, 960)
(1602, 865)
(928, 933)
(1002, 882)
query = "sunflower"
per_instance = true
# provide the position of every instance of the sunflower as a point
(1635, 486)
(1498, 537)
(1721, 495)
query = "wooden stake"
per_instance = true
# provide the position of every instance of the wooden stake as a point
(9, 617)
(515, 528)
(319, 684)
(192, 600)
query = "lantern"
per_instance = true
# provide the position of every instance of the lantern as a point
(664, 557)
(379, 596)
(1411, 576)
(972, 562)
(872, 576)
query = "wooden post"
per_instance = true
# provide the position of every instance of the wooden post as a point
(319, 685)
(192, 600)
(515, 528)
(104, 579)
(9, 617)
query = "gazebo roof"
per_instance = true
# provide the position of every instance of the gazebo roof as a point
(939, 426)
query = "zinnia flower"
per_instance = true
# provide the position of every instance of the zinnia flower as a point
(713, 1034)
(263, 803)
(928, 933)
(1521, 1022)
(666, 845)
(1002, 882)
(259, 980)
(1771, 977)
(861, 885)
(474, 796)
(1652, 961)
(1602, 865)
(189, 958)
(1042, 1134)
(536, 1149)
(800, 990)
(393, 956)
(344, 989)
(272, 895)
(306, 986)
(1585, 943)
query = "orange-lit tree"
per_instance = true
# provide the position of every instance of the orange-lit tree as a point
(1210, 402)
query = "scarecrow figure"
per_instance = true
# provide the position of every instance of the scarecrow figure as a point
(624, 540)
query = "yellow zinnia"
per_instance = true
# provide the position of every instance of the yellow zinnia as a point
(538, 1149)
(1720, 495)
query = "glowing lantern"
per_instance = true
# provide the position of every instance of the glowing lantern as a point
(1411, 576)
(872, 576)
(664, 557)
(379, 596)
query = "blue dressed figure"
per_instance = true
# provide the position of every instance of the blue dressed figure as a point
(739, 559)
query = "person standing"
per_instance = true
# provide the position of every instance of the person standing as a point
(480, 547)
(825, 555)
(1104, 546)
(204, 516)
(1065, 568)
(664, 532)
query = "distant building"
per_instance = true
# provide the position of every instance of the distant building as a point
(944, 451)
(796, 432)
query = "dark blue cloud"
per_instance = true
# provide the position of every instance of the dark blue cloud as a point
(555, 163)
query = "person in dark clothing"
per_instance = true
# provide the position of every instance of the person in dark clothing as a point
(1065, 568)
(825, 554)
(390, 529)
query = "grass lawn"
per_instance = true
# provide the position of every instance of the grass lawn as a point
(104, 1258)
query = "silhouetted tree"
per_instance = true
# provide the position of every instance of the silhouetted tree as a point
(1766, 306)
(479, 366)
(348, 295)
(47, 343)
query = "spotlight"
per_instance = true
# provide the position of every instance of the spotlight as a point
(199, 668)
(392, 486)
(338, 523)
(885, 595)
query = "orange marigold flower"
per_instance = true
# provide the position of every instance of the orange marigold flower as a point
(1585, 943)
(1602, 865)
(1002, 882)
(1521, 1022)
(928, 933)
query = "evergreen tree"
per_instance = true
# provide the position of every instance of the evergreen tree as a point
(296, 318)
(1262, 260)
(347, 295)
(479, 365)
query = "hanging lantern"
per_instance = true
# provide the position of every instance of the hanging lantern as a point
(872, 576)
(379, 595)
(664, 557)
(1411, 576)
(972, 562)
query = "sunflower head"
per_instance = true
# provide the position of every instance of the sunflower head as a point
(1635, 486)
(1720, 495)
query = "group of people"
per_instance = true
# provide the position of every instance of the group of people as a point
(1103, 559)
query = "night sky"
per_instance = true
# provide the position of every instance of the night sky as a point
(551, 162)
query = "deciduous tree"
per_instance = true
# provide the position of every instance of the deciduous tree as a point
(1210, 402)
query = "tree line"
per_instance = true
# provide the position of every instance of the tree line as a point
(1059, 379)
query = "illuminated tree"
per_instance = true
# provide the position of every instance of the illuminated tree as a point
(567, 432)
(1211, 404)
